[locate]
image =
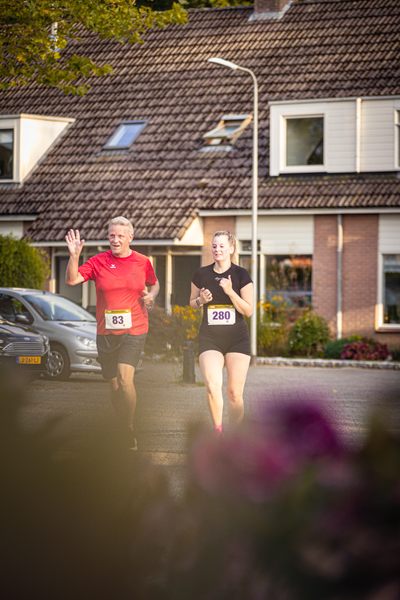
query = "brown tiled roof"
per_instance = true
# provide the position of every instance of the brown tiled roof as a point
(334, 48)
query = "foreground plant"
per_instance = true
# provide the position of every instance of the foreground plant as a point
(282, 510)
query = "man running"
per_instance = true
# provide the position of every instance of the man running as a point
(121, 277)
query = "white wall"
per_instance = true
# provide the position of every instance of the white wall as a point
(36, 136)
(291, 234)
(377, 135)
(389, 234)
(14, 227)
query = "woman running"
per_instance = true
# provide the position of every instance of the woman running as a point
(225, 290)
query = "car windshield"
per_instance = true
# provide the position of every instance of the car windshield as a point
(57, 308)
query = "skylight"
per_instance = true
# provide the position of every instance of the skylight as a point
(125, 135)
(228, 130)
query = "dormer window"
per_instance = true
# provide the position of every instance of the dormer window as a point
(6, 153)
(24, 141)
(228, 130)
(125, 135)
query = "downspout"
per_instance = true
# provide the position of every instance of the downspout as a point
(339, 277)
(358, 135)
(168, 282)
(52, 271)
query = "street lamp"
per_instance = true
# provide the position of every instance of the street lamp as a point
(254, 204)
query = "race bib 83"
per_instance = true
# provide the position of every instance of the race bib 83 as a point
(118, 319)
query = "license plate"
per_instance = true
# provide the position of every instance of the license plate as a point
(29, 360)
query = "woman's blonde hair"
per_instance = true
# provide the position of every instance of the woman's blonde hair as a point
(231, 240)
(121, 221)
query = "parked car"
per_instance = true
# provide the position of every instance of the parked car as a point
(70, 328)
(22, 349)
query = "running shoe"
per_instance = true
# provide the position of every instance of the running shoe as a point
(131, 440)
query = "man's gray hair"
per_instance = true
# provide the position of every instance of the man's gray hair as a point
(120, 221)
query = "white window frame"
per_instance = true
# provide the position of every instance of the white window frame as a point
(396, 137)
(386, 245)
(11, 123)
(10, 128)
(278, 115)
(380, 324)
(284, 168)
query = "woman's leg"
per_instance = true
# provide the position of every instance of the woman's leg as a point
(237, 366)
(211, 365)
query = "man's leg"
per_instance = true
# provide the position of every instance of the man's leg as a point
(123, 394)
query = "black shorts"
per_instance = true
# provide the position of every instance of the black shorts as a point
(119, 349)
(227, 339)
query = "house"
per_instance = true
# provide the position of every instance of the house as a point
(167, 142)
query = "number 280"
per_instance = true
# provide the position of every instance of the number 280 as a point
(220, 315)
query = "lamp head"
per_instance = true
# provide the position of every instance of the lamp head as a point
(224, 63)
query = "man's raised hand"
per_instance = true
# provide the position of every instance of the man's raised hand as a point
(74, 242)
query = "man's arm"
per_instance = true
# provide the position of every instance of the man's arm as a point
(75, 245)
(150, 295)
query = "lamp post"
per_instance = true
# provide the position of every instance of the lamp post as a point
(254, 204)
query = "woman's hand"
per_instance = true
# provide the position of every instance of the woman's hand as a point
(205, 296)
(226, 285)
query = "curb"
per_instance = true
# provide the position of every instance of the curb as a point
(326, 363)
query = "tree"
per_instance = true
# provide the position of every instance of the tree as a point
(22, 265)
(34, 37)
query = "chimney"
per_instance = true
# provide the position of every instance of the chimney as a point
(269, 9)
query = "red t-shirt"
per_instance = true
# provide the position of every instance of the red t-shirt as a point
(119, 286)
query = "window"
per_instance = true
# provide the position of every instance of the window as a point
(397, 141)
(228, 130)
(125, 135)
(391, 289)
(304, 141)
(290, 278)
(6, 153)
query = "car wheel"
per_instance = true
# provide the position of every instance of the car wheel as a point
(58, 365)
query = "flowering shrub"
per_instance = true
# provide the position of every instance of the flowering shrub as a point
(309, 334)
(282, 510)
(168, 332)
(364, 349)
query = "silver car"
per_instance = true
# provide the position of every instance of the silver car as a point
(71, 329)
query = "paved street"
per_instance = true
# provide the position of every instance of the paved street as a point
(166, 406)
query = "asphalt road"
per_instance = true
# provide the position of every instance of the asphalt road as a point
(166, 406)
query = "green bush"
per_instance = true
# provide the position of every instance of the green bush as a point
(22, 265)
(334, 348)
(309, 334)
(168, 332)
(273, 326)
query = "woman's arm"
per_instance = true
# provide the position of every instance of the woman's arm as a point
(242, 303)
(203, 296)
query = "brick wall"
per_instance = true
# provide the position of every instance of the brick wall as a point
(359, 274)
(324, 274)
(211, 225)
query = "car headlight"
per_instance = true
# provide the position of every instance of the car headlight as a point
(46, 342)
(87, 342)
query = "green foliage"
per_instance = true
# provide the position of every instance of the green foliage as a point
(29, 51)
(273, 323)
(167, 333)
(22, 265)
(334, 348)
(309, 334)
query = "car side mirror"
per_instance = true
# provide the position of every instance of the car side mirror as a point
(22, 319)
